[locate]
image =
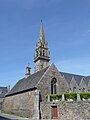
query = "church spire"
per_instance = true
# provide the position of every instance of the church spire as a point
(41, 36)
(42, 55)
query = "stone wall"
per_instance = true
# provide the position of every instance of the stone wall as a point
(67, 110)
(0, 105)
(1, 102)
(20, 104)
(75, 111)
(44, 85)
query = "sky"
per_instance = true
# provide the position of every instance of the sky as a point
(66, 27)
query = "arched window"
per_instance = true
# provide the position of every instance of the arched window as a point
(53, 86)
(83, 90)
(37, 53)
(74, 89)
(43, 52)
(79, 90)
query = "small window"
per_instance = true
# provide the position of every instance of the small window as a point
(37, 53)
(79, 90)
(43, 52)
(83, 90)
(74, 89)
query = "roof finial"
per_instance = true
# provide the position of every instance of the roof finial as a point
(28, 68)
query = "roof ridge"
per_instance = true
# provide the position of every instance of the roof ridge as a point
(73, 74)
(43, 74)
(38, 71)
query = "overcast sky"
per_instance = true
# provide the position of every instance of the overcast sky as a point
(67, 29)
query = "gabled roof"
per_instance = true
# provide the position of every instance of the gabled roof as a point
(87, 79)
(3, 91)
(31, 82)
(27, 83)
(68, 78)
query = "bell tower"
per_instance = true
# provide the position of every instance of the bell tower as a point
(42, 55)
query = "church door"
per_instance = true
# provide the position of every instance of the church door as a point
(54, 112)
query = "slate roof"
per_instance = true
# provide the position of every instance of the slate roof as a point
(3, 91)
(30, 82)
(68, 78)
(87, 79)
(27, 83)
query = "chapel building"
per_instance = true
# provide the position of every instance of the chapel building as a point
(30, 96)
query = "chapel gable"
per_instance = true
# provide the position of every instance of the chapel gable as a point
(73, 85)
(82, 86)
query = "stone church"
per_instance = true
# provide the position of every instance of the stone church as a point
(30, 96)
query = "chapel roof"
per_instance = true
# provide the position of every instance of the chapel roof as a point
(68, 77)
(30, 82)
(27, 83)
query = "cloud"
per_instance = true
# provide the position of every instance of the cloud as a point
(88, 30)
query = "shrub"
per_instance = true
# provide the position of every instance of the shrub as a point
(85, 95)
(55, 97)
(72, 95)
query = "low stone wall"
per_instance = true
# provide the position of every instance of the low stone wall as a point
(20, 104)
(1, 102)
(67, 110)
(0, 106)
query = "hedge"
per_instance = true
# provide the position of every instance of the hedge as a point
(72, 95)
(54, 97)
(85, 95)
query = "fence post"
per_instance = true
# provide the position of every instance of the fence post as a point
(63, 97)
(48, 98)
(78, 97)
